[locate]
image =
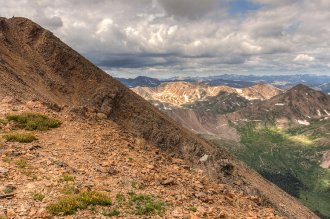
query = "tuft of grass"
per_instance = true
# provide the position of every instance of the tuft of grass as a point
(120, 198)
(137, 185)
(8, 190)
(111, 213)
(146, 204)
(3, 122)
(67, 177)
(34, 121)
(6, 160)
(69, 205)
(21, 163)
(21, 137)
(193, 209)
(69, 190)
(38, 197)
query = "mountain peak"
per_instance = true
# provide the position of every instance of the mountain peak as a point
(305, 92)
(301, 87)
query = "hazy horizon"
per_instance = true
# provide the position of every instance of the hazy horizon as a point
(169, 76)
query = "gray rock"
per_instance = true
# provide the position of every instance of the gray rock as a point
(204, 158)
(112, 170)
(3, 170)
(101, 116)
(168, 182)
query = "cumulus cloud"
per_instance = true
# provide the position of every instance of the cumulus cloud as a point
(303, 58)
(154, 37)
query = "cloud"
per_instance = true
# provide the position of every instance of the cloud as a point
(53, 22)
(189, 8)
(303, 58)
(187, 36)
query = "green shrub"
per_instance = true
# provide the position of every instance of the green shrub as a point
(8, 190)
(34, 121)
(38, 197)
(193, 209)
(67, 177)
(146, 204)
(21, 137)
(70, 204)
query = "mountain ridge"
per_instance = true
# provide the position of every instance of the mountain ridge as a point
(298, 104)
(180, 93)
(66, 81)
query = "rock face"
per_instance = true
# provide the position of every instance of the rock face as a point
(35, 65)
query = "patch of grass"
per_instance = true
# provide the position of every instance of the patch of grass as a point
(29, 173)
(67, 177)
(137, 185)
(21, 137)
(68, 205)
(69, 190)
(38, 197)
(3, 122)
(146, 204)
(34, 121)
(6, 160)
(3, 217)
(120, 198)
(111, 213)
(193, 209)
(8, 190)
(21, 163)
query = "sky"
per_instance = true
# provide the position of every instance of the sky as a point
(166, 38)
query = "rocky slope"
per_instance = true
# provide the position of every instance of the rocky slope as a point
(133, 138)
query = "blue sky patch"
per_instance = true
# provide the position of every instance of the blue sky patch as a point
(242, 6)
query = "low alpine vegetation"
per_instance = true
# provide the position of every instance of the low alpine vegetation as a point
(21, 163)
(69, 205)
(8, 190)
(38, 197)
(145, 204)
(111, 213)
(67, 177)
(21, 137)
(33, 121)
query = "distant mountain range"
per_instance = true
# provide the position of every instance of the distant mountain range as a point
(180, 93)
(140, 81)
(318, 82)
